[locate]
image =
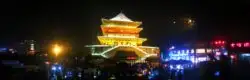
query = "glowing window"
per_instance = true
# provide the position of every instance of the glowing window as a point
(200, 50)
(209, 50)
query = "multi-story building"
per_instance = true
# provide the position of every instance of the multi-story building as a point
(25, 47)
(239, 50)
(121, 40)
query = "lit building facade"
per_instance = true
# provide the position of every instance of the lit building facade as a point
(121, 36)
(197, 52)
(189, 54)
(239, 50)
(26, 47)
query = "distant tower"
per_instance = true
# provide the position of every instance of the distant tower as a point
(26, 47)
(32, 47)
(122, 34)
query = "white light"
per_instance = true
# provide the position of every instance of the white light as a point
(171, 67)
(121, 17)
(172, 47)
(140, 50)
(193, 60)
(217, 53)
(225, 53)
(166, 59)
(96, 54)
(32, 47)
(179, 67)
(201, 59)
(232, 56)
(53, 68)
(189, 21)
(246, 54)
(200, 50)
(148, 55)
(60, 68)
(192, 51)
(209, 50)
(109, 49)
(103, 53)
(187, 51)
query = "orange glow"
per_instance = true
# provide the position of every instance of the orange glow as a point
(122, 30)
(121, 40)
(57, 49)
(120, 33)
(123, 23)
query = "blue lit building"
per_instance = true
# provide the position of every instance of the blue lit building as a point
(239, 50)
(188, 54)
(197, 52)
(192, 53)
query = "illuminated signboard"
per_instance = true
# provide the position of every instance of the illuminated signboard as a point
(200, 51)
(240, 45)
(203, 50)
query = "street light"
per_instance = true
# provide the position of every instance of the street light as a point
(57, 49)
(189, 22)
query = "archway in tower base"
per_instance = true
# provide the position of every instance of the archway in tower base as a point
(125, 56)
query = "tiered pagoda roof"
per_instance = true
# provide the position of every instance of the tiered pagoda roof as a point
(120, 29)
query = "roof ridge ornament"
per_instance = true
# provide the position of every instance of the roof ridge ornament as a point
(121, 17)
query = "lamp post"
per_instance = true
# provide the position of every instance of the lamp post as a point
(56, 49)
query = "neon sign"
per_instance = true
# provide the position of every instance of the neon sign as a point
(219, 43)
(239, 45)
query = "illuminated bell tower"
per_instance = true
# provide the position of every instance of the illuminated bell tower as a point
(120, 30)
(122, 34)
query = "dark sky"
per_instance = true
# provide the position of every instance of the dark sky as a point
(78, 22)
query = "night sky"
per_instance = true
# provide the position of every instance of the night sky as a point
(78, 22)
